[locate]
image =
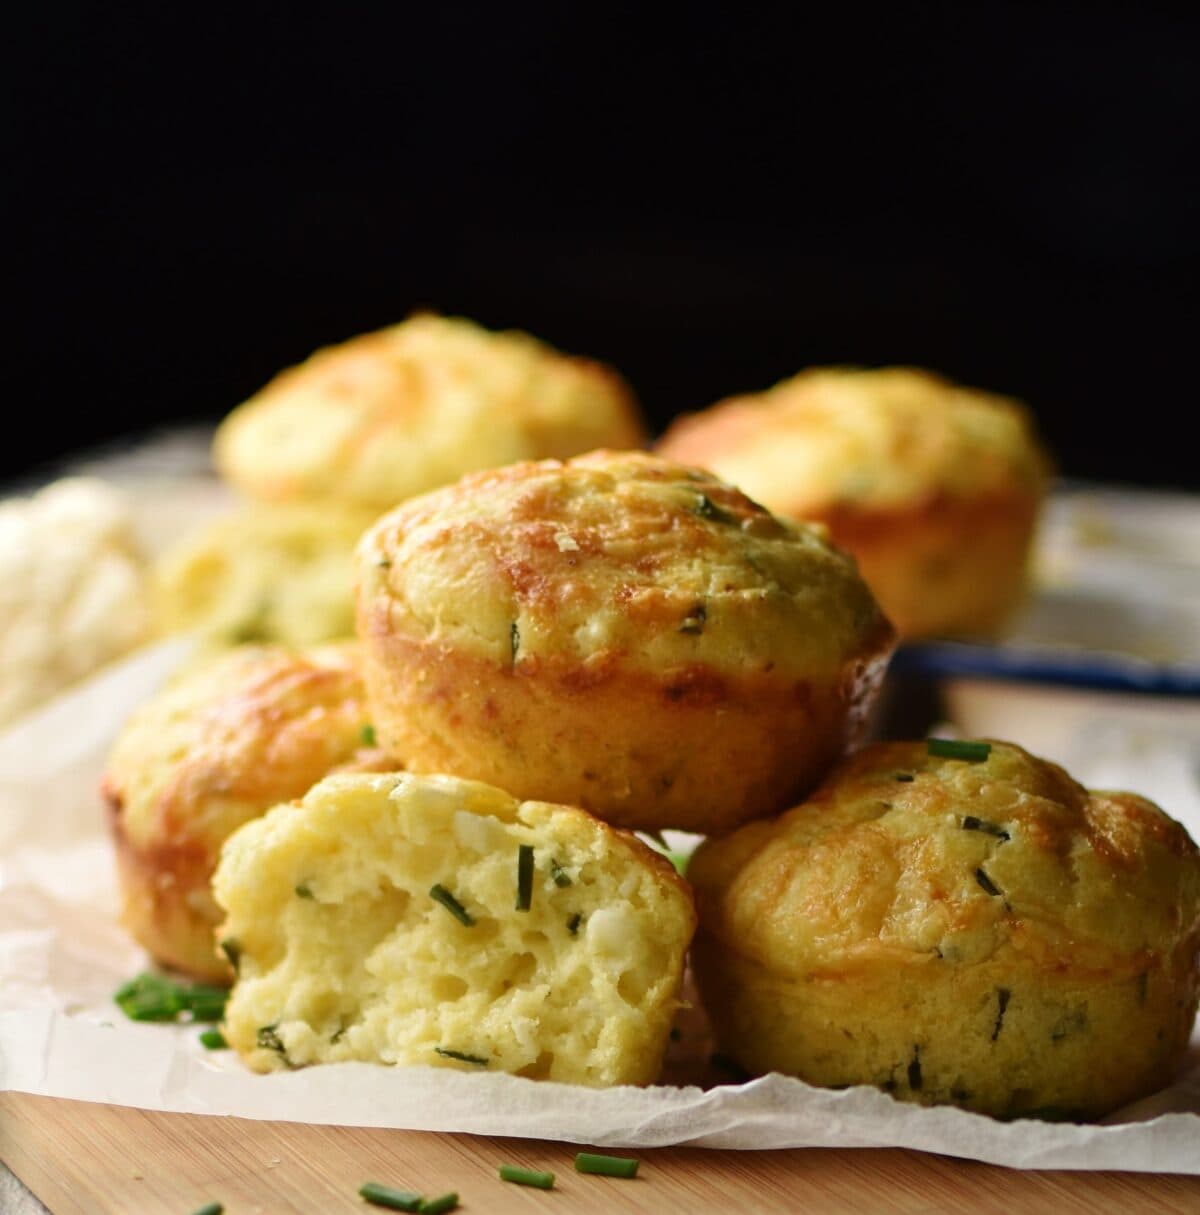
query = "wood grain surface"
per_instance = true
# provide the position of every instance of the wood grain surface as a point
(87, 1159)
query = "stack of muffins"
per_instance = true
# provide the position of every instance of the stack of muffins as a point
(422, 841)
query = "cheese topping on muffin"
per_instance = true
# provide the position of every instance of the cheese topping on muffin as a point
(426, 920)
(391, 414)
(614, 554)
(864, 438)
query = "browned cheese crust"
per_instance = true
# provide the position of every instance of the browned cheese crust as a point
(257, 726)
(935, 488)
(988, 934)
(616, 632)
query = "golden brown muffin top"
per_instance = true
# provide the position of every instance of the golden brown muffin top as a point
(901, 854)
(391, 414)
(843, 436)
(615, 557)
(255, 726)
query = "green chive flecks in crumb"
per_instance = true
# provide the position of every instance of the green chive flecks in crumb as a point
(1003, 995)
(461, 1056)
(914, 1070)
(524, 877)
(440, 894)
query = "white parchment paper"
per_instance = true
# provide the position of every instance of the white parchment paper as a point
(62, 954)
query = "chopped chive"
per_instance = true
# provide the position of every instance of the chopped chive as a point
(440, 894)
(971, 823)
(987, 883)
(606, 1166)
(559, 874)
(268, 1038)
(367, 736)
(384, 563)
(338, 1035)
(213, 1039)
(1003, 995)
(694, 621)
(914, 1070)
(394, 1200)
(524, 877)
(533, 1177)
(205, 1001)
(954, 748)
(150, 997)
(440, 1204)
(212, 1208)
(905, 777)
(676, 1033)
(232, 949)
(304, 891)
(574, 922)
(514, 639)
(461, 1056)
(706, 508)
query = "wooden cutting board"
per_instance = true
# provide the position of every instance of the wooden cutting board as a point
(86, 1159)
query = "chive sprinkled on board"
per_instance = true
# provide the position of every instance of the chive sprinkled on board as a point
(693, 622)
(205, 1001)
(367, 735)
(535, 1177)
(986, 882)
(232, 949)
(440, 1204)
(524, 877)
(440, 894)
(971, 823)
(574, 922)
(385, 1196)
(213, 1039)
(461, 1056)
(957, 748)
(210, 1208)
(151, 997)
(1003, 995)
(606, 1166)
(559, 874)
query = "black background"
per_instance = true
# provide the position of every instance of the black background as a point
(196, 197)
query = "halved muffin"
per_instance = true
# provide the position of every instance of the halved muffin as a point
(422, 919)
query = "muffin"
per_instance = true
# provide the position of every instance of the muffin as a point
(616, 632)
(391, 414)
(224, 742)
(985, 933)
(72, 589)
(404, 920)
(282, 573)
(933, 487)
